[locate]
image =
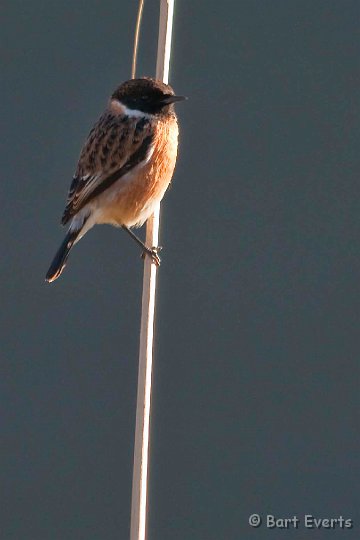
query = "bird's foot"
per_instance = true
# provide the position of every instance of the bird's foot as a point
(153, 253)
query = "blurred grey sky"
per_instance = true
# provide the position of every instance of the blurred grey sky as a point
(256, 377)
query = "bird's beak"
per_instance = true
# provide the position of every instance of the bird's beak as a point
(167, 100)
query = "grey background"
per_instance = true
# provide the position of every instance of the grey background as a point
(256, 390)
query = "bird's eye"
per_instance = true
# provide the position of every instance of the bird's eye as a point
(144, 98)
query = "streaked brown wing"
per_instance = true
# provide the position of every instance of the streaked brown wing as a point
(115, 145)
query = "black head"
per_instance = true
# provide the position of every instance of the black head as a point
(146, 95)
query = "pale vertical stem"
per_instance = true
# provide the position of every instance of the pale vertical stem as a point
(141, 449)
(164, 40)
(136, 38)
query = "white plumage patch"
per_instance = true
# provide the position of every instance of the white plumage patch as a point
(131, 113)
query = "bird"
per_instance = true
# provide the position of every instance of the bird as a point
(125, 166)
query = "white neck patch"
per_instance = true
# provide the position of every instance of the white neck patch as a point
(131, 113)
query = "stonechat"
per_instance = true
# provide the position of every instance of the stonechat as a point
(125, 166)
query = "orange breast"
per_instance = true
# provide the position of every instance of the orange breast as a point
(134, 203)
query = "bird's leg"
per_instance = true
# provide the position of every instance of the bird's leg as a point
(152, 252)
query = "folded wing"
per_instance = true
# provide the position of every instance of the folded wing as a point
(115, 145)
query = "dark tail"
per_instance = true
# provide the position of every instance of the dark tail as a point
(59, 262)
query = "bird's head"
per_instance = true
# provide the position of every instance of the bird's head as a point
(146, 95)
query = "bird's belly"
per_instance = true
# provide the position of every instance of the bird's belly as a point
(132, 199)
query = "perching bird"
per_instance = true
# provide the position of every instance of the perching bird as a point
(125, 165)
